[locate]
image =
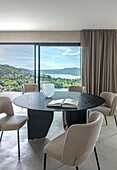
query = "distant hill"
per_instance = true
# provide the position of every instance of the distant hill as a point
(72, 71)
(25, 70)
(6, 69)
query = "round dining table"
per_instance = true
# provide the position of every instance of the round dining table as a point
(41, 116)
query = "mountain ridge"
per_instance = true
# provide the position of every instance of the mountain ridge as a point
(7, 69)
(72, 71)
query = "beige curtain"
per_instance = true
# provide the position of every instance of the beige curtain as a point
(99, 60)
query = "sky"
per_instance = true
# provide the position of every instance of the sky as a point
(22, 56)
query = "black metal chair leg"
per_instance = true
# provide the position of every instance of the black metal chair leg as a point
(96, 157)
(18, 144)
(106, 120)
(1, 135)
(44, 167)
(88, 113)
(76, 167)
(115, 120)
(64, 120)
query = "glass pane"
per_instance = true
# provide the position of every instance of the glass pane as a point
(16, 66)
(60, 65)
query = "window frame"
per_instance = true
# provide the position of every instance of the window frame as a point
(39, 45)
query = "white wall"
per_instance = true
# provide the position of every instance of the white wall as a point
(39, 36)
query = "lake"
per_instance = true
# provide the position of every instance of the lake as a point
(64, 76)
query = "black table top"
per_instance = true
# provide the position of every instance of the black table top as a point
(37, 101)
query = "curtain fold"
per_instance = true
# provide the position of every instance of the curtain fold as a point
(99, 60)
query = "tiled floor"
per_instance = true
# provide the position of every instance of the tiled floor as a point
(32, 151)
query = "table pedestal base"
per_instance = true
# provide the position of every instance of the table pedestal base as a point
(76, 117)
(39, 123)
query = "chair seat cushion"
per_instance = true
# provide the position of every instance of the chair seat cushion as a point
(12, 122)
(104, 110)
(55, 147)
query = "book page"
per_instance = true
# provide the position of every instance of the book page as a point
(70, 101)
(56, 102)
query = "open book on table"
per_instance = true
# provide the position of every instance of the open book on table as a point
(65, 103)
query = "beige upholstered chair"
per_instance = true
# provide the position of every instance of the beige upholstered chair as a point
(73, 89)
(77, 89)
(77, 144)
(109, 108)
(10, 121)
(27, 88)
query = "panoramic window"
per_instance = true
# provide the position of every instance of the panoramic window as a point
(60, 65)
(16, 66)
(20, 63)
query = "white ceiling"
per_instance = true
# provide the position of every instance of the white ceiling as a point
(21, 15)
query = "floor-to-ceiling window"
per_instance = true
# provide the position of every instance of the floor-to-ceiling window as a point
(60, 65)
(39, 63)
(16, 66)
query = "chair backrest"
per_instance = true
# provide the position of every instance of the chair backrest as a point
(111, 101)
(27, 88)
(77, 89)
(81, 139)
(6, 106)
